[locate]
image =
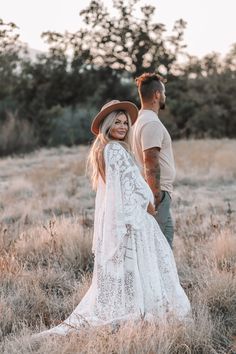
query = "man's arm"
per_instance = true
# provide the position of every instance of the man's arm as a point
(152, 172)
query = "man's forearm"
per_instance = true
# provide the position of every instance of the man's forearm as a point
(152, 176)
(152, 173)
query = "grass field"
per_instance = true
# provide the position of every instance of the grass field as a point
(46, 225)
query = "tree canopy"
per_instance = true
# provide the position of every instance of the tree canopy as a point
(55, 96)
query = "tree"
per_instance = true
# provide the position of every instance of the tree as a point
(10, 50)
(202, 97)
(124, 42)
(108, 52)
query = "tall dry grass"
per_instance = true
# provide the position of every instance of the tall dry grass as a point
(46, 221)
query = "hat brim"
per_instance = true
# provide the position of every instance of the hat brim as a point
(127, 106)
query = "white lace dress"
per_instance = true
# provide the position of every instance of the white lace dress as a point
(135, 275)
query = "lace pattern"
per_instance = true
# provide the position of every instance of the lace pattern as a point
(135, 275)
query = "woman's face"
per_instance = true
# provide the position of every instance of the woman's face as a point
(120, 127)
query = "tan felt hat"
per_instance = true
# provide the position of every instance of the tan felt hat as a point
(111, 106)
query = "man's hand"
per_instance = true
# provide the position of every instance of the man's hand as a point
(151, 209)
(157, 199)
(152, 172)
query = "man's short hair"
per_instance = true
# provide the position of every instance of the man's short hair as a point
(148, 84)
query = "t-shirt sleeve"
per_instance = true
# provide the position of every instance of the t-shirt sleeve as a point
(151, 135)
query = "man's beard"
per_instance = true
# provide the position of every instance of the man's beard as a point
(162, 105)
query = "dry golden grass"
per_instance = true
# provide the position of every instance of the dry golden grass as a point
(206, 159)
(46, 221)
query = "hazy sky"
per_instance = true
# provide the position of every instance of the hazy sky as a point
(211, 23)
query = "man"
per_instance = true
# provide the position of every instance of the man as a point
(152, 147)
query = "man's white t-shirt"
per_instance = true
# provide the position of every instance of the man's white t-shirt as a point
(147, 132)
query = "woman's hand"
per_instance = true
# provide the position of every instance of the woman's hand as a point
(151, 209)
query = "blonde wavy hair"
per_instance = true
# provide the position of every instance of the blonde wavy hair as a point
(95, 161)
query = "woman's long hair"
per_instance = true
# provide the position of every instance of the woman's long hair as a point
(96, 162)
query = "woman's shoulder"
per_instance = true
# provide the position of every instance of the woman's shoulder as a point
(115, 151)
(115, 146)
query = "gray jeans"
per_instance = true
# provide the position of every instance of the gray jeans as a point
(164, 217)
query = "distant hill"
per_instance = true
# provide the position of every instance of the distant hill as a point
(32, 53)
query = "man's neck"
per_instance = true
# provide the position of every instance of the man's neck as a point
(150, 107)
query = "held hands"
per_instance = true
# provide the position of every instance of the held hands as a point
(151, 209)
(158, 198)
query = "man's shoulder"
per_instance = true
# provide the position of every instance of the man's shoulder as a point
(148, 118)
(146, 115)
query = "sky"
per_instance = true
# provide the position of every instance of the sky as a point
(211, 25)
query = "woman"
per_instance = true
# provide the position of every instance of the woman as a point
(135, 275)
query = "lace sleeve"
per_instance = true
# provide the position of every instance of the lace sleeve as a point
(125, 198)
